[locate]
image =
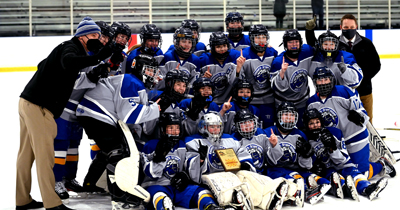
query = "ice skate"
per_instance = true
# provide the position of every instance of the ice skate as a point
(349, 189)
(336, 186)
(62, 192)
(373, 190)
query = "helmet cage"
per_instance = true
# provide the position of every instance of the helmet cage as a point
(150, 74)
(284, 119)
(324, 89)
(258, 47)
(247, 128)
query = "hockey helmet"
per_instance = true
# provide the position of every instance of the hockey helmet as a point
(321, 73)
(150, 31)
(286, 116)
(211, 127)
(145, 68)
(184, 34)
(246, 123)
(240, 100)
(289, 35)
(254, 32)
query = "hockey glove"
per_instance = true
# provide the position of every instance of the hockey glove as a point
(304, 148)
(318, 168)
(310, 24)
(342, 66)
(203, 151)
(104, 53)
(180, 181)
(100, 71)
(328, 140)
(165, 102)
(161, 152)
(116, 60)
(245, 166)
(195, 109)
(356, 118)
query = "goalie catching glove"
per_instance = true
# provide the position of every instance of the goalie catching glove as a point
(180, 181)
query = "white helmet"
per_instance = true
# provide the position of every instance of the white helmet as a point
(211, 121)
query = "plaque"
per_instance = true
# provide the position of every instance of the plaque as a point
(229, 160)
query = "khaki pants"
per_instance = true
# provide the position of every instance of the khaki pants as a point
(38, 130)
(368, 101)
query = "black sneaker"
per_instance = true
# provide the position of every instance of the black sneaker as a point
(62, 192)
(32, 205)
(73, 185)
(373, 190)
(388, 167)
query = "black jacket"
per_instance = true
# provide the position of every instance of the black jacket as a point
(366, 56)
(280, 7)
(53, 82)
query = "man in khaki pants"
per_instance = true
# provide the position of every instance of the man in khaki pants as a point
(42, 101)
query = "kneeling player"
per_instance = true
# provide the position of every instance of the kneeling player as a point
(166, 179)
(331, 155)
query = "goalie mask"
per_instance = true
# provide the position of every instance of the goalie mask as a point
(173, 76)
(170, 133)
(150, 32)
(323, 80)
(309, 115)
(259, 37)
(328, 44)
(246, 123)
(286, 116)
(194, 26)
(236, 18)
(211, 127)
(240, 89)
(290, 35)
(216, 39)
(145, 68)
(184, 42)
(207, 97)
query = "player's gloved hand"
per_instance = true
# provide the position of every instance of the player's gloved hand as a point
(116, 47)
(116, 59)
(342, 66)
(195, 108)
(328, 140)
(100, 71)
(104, 53)
(203, 151)
(245, 166)
(356, 118)
(165, 101)
(161, 151)
(304, 148)
(180, 181)
(310, 24)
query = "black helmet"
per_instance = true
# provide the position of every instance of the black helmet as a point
(254, 31)
(106, 30)
(242, 124)
(199, 83)
(289, 35)
(150, 31)
(320, 73)
(219, 38)
(192, 25)
(121, 28)
(181, 34)
(328, 36)
(170, 119)
(283, 110)
(172, 77)
(242, 83)
(145, 63)
(309, 115)
(234, 17)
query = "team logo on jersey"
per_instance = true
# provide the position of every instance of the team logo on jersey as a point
(132, 102)
(329, 117)
(261, 75)
(172, 166)
(256, 153)
(298, 80)
(220, 81)
(289, 153)
(215, 162)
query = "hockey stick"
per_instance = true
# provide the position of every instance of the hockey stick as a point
(378, 145)
(127, 169)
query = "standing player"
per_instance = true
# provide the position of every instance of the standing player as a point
(194, 26)
(256, 70)
(235, 25)
(342, 109)
(164, 166)
(221, 66)
(330, 151)
(290, 72)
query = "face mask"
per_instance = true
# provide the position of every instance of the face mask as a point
(94, 45)
(349, 33)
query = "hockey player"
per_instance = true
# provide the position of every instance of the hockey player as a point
(151, 41)
(242, 95)
(235, 25)
(342, 109)
(202, 102)
(164, 166)
(221, 66)
(256, 70)
(290, 156)
(182, 55)
(194, 26)
(331, 156)
(342, 64)
(290, 72)
(201, 157)
(119, 97)
(122, 35)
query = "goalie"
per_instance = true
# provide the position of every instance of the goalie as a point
(164, 167)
